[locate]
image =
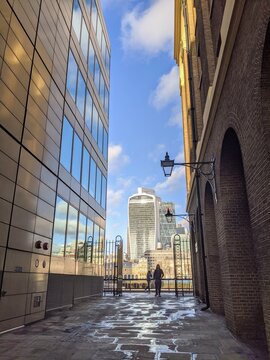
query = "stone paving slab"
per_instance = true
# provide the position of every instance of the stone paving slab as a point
(134, 326)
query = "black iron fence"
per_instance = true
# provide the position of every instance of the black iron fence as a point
(179, 287)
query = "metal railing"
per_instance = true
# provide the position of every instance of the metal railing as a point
(184, 286)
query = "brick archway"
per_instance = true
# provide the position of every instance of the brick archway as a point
(213, 261)
(242, 302)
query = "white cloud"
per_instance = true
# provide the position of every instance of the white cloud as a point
(149, 30)
(116, 158)
(167, 90)
(171, 183)
(114, 199)
(176, 116)
(157, 153)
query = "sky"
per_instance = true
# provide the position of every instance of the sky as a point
(145, 107)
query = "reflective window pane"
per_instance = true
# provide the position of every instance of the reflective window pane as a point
(77, 157)
(104, 192)
(85, 169)
(107, 61)
(100, 134)
(101, 90)
(93, 170)
(105, 145)
(71, 232)
(91, 58)
(66, 145)
(98, 186)
(59, 231)
(90, 239)
(101, 245)
(76, 19)
(81, 237)
(96, 244)
(81, 93)
(72, 75)
(88, 5)
(84, 40)
(95, 123)
(88, 110)
(107, 101)
(94, 15)
(99, 32)
(97, 74)
(103, 48)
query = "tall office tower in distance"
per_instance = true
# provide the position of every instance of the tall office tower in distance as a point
(143, 222)
(166, 229)
(54, 104)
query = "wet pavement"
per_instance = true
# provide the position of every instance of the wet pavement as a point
(134, 326)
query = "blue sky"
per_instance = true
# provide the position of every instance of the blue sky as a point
(145, 106)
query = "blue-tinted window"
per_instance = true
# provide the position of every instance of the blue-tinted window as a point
(66, 146)
(91, 58)
(95, 123)
(97, 74)
(107, 61)
(106, 101)
(100, 134)
(77, 19)
(84, 40)
(98, 186)
(88, 5)
(81, 93)
(72, 75)
(81, 237)
(93, 170)
(105, 145)
(70, 247)
(101, 90)
(59, 231)
(88, 110)
(85, 169)
(94, 15)
(77, 157)
(103, 49)
(104, 192)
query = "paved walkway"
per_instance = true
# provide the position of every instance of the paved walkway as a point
(134, 326)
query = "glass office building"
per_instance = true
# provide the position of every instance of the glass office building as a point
(143, 222)
(54, 111)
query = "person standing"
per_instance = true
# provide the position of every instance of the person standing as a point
(158, 275)
(148, 278)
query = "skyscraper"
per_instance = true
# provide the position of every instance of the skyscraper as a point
(143, 222)
(54, 104)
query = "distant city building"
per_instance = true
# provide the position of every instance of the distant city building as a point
(135, 270)
(166, 229)
(163, 257)
(143, 222)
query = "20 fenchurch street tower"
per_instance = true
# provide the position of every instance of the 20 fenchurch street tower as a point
(54, 110)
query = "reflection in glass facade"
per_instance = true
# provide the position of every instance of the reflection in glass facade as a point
(60, 221)
(66, 147)
(74, 235)
(77, 157)
(46, 139)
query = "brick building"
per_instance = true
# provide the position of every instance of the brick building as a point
(223, 51)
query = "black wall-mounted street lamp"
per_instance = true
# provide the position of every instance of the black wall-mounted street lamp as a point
(206, 169)
(169, 215)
